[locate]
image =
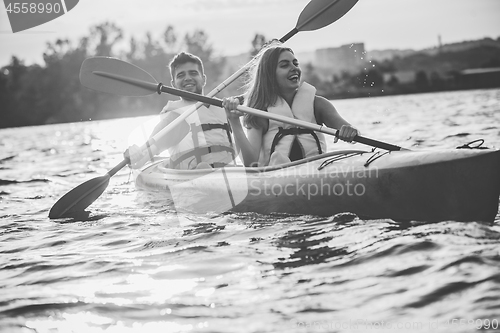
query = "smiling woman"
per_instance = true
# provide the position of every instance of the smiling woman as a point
(275, 86)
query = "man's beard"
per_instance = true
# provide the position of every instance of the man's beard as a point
(198, 91)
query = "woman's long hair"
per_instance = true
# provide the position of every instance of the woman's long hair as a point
(262, 86)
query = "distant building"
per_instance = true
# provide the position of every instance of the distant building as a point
(462, 46)
(479, 78)
(389, 54)
(349, 58)
(402, 77)
(382, 55)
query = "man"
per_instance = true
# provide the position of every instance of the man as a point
(203, 139)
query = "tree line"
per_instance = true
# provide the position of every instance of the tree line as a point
(52, 93)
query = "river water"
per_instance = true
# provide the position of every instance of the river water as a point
(131, 267)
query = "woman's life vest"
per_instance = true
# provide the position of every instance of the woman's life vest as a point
(209, 139)
(296, 143)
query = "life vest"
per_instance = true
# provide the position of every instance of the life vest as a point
(282, 137)
(209, 139)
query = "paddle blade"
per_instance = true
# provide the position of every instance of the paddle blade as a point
(80, 197)
(320, 13)
(115, 76)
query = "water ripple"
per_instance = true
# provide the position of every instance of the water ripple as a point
(129, 264)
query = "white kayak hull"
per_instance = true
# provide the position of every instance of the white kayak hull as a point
(460, 185)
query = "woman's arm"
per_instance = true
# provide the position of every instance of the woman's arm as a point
(248, 146)
(325, 113)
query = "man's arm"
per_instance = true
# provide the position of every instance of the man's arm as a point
(173, 137)
(140, 157)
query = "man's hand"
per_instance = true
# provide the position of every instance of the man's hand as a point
(138, 157)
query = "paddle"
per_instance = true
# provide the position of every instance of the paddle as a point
(84, 194)
(99, 73)
(317, 14)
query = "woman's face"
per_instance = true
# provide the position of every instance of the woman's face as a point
(288, 72)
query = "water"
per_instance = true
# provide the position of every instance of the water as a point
(130, 267)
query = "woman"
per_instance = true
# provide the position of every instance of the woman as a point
(275, 86)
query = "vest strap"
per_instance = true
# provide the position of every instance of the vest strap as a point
(200, 151)
(208, 127)
(226, 127)
(194, 133)
(217, 165)
(282, 132)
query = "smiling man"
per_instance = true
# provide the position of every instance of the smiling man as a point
(203, 140)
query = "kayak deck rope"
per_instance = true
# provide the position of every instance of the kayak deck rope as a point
(479, 145)
(337, 158)
(374, 157)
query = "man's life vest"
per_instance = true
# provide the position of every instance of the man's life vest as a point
(209, 139)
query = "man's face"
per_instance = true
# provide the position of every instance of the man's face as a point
(189, 78)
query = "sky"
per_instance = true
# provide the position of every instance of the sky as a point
(232, 24)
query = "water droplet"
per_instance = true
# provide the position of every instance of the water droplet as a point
(165, 311)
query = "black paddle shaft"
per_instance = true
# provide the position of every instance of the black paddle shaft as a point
(217, 102)
(289, 35)
(189, 95)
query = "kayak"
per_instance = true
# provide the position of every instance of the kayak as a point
(460, 185)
